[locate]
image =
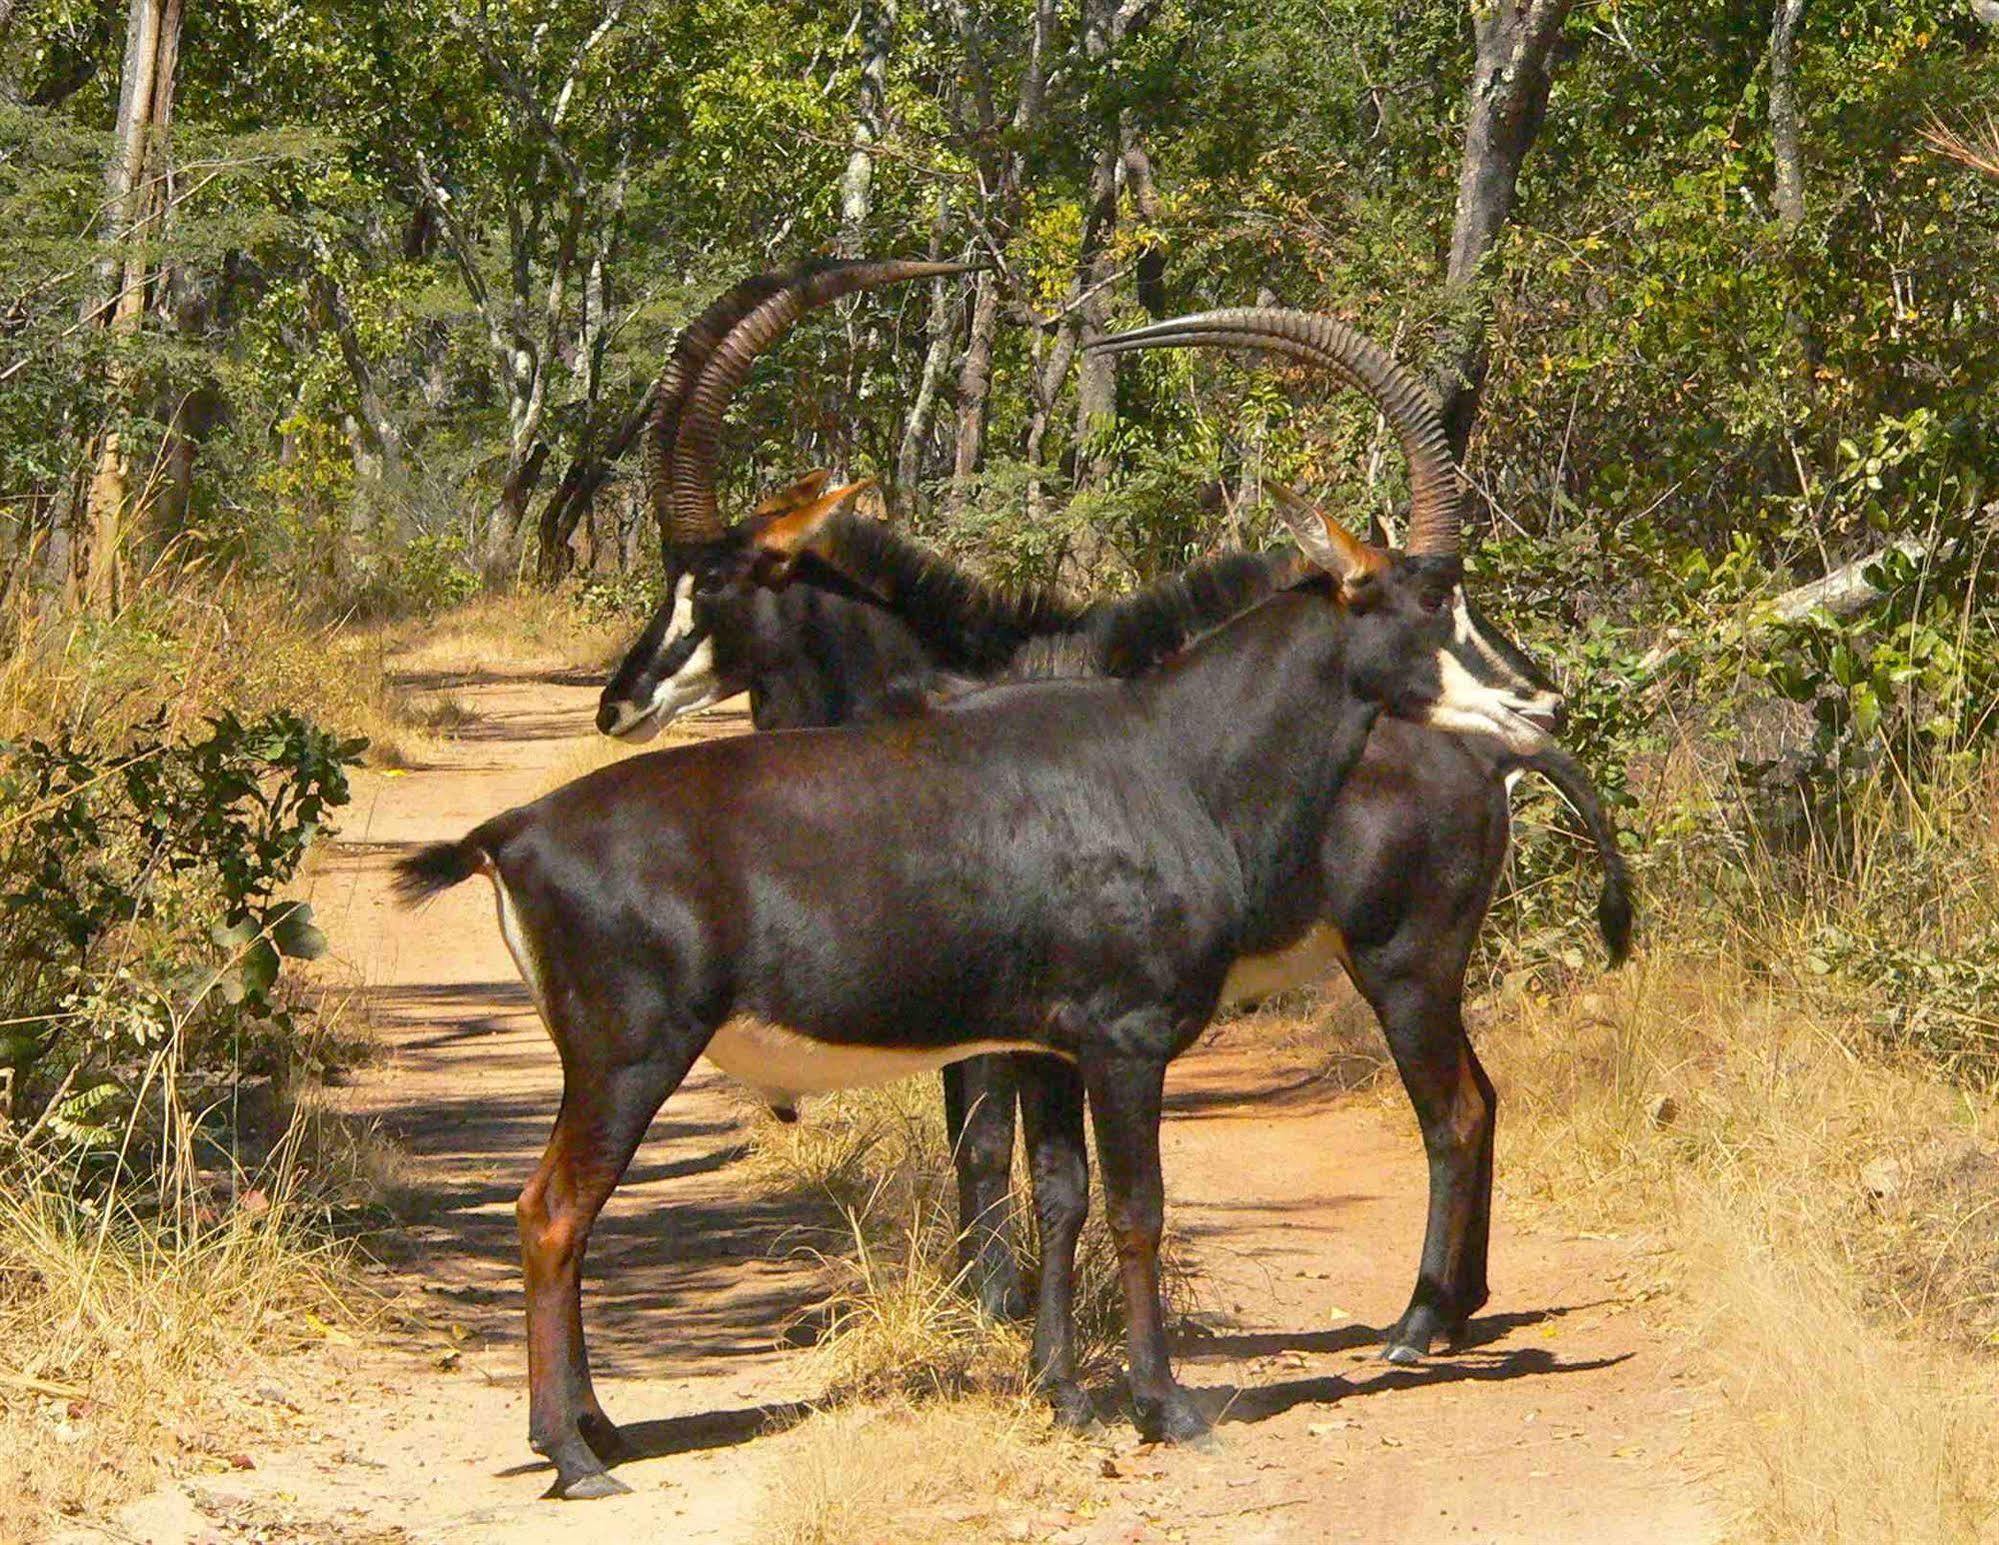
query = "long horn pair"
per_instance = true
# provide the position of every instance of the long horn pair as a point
(710, 362)
(1436, 489)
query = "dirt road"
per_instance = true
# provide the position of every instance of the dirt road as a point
(1303, 1209)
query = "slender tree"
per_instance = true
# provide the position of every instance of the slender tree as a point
(135, 186)
(1512, 75)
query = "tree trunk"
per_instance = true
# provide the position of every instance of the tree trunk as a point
(1049, 374)
(1504, 108)
(1004, 171)
(577, 492)
(1150, 270)
(10, 89)
(936, 359)
(877, 24)
(975, 376)
(378, 429)
(145, 106)
(1096, 375)
(1789, 193)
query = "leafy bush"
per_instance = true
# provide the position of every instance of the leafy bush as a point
(140, 887)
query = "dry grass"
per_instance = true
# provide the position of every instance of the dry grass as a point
(918, 1473)
(1826, 1198)
(135, 1314)
(187, 645)
(897, 1319)
(127, 1347)
(512, 631)
(193, 641)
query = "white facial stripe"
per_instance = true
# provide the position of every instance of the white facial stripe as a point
(1469, 636)
(682, 620)
(780, 1063)
(1522, 696)
(693, 687)
(1466, 706)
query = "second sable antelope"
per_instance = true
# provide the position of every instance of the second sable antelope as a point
(1069, 869)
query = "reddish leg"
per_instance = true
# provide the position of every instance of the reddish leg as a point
(1456, 1106)
(604, 1115)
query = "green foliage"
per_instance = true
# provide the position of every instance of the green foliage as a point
(141, 892)
(433, 572)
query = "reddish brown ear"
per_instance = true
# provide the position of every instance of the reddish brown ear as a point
(779, 539)
(1327, 543)
(794, 495)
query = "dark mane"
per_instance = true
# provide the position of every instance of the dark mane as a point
(1134, 633)
(1037, 632)
(1131, 634)
(965, 622)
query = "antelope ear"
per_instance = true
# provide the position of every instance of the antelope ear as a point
(794, 495)
(780, 539)
(1328, 544)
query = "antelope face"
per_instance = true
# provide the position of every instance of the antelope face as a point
(688, 657)
(1425, 653)
(700, 644)
(1418, 649)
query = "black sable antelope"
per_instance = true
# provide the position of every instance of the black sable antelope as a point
(1069, 868)
(1415, 844)
(716, 630)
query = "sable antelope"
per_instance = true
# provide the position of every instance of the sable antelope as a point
(715, 631)
(1409, 860)
(1068, 868)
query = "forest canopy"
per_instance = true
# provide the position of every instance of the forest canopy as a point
(388, 281)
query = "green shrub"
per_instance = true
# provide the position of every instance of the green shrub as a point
(141, 891)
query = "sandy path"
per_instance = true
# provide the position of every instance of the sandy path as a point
(1302, 1209)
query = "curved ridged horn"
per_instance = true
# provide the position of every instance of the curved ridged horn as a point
(691, 352)
(1435, 488)
(695, 516)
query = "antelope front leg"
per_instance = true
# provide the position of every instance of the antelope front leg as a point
(1051, 1104)
(604, 1115)
(1455, 1106)
(1126, 1092)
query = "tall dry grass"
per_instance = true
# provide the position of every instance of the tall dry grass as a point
(1821, 1169)
(896, 1320)
(131, 1340)
(192, 639)
(145, 1282)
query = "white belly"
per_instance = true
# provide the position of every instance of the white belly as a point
(1305, 964)
(780, 1064)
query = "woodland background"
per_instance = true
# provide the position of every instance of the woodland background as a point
(323, 328)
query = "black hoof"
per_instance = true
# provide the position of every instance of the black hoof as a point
(589, 1487)
(1071, 1405)
(1175, 1419)
(602, 1434)
(1421, 1327)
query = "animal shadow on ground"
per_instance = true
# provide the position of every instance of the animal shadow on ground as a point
(1476, 1358)
(663, 1437)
